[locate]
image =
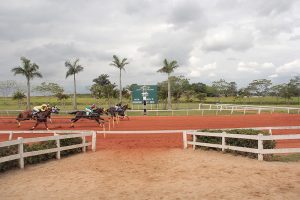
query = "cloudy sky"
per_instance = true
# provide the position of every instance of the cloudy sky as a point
(238, 40)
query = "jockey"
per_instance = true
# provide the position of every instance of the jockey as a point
(89, 109)
(40, 108)
(118, 107)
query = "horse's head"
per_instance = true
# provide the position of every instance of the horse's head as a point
(125, 107)
(54, 109)
(100, 111)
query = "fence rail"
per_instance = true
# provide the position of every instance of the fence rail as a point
(259, 109)
(202, 110)
(260, 138)
(21, 141)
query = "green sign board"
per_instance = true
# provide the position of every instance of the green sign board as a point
(144, 92)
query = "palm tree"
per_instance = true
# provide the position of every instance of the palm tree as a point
(29, 70)
(73, 69)
(120, 65)
(168, 68)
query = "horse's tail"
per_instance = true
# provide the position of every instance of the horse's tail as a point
(72, 113)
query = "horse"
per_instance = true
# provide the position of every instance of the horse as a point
(27, 115)
(43, 116)
(95, 115)
(112, 111)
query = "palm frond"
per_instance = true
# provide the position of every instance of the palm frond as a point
(73, 68)
(37, 74)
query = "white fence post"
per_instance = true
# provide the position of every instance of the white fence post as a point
(10, 135)
(83, 143)
(194, 141)
(57, 145)
(184, 138)
(231, 110)
(288, 111)
(270, 131)
(94, 136)
(260, 147)
(223, 141)
(244, 111)
(21, 151)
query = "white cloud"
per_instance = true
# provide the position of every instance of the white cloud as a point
(292, 68)
(223, 38)
(202, 71)
(254, 67)
(207, 38)
(273, 76)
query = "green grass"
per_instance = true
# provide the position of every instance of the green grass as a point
(83, 100)
(295, 157)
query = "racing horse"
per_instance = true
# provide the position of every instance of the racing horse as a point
(113, 112)
(95, 115)
(27, 115)
(43, 116)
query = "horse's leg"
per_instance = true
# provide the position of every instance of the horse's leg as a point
(50, 119)
(97, 120)
(19, 123)
(46, 126)
(73, 120)
(36, 124)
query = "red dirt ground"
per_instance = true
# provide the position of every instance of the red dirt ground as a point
(162, 123)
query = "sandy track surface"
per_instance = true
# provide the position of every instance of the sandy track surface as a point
(153, 174)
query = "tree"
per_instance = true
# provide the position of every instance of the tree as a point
(30, 71)
(232, 89)
(294, 85)
(199, 87)
(73, 69)
(201, 96)
(49, 89)
(18, 95)
(260, 87)
(276, 90)
(103, 88)
(7, 87)
(120, 65)
(168, 68)
(62, 97)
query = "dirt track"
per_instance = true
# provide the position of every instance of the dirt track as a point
(153, 174)
(164, 123)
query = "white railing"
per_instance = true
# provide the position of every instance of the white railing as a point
(270, 129)
(21, 141)
(260, 138)
(217, 108)
(235, 107)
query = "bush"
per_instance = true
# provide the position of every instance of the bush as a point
(7, 151)
(269, 144)
(11, 150)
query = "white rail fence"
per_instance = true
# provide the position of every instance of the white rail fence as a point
(202, 110)
(257, 108)
(260, 138)
(21, 141)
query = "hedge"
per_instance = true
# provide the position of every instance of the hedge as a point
(268, 144)
(11, 150)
